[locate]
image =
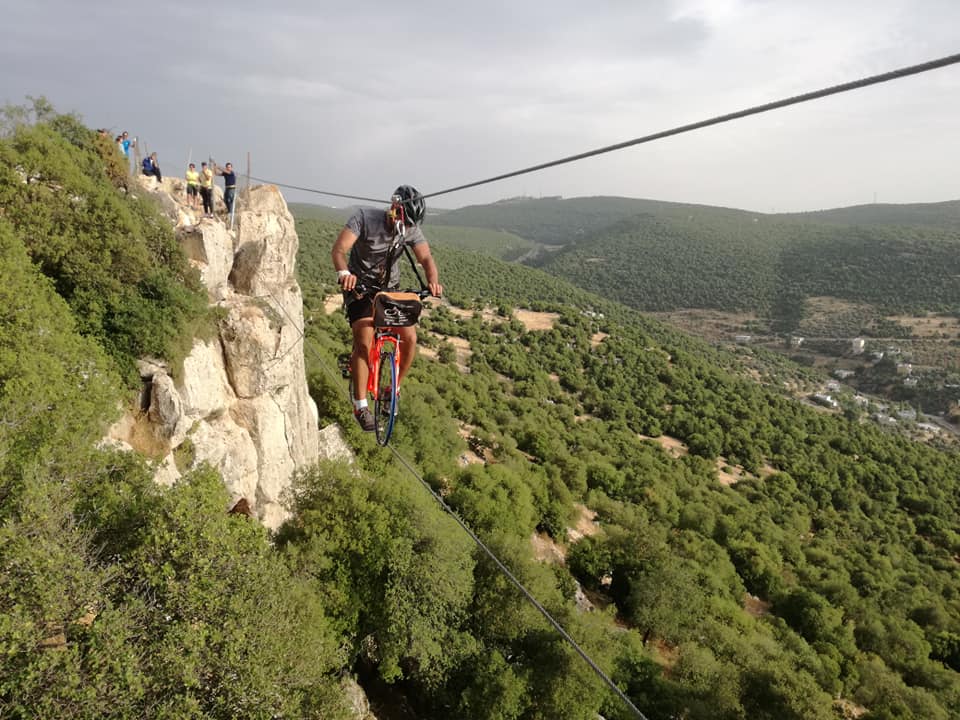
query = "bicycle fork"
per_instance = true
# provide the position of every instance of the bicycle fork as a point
(376, 350)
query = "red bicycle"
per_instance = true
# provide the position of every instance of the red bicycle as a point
(391, 311)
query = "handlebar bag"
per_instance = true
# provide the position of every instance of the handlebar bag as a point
(396, 309)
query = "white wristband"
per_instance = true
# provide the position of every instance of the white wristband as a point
(342, 273)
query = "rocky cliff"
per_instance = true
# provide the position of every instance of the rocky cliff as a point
(240, 402)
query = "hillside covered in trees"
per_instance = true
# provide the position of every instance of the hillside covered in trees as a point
(662, 256)
(767, 266)
(843, 536)
(945, 215)
(751, 558)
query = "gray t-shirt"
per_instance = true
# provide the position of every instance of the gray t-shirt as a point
(374, 237)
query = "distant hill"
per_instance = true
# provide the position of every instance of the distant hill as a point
(310, 211)
(768, 265)
(557, 221)
(940, 214)
(498, 243)
(656, 255)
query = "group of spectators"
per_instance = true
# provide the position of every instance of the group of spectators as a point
(199, 182)
(200, 186)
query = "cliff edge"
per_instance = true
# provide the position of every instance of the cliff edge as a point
(240, 402)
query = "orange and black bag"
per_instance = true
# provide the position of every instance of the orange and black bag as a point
(396, 309)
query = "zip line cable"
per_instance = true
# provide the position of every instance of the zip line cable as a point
(320, 192)
(473, 536)
(679, 130)
(719, 119)
(510, 576)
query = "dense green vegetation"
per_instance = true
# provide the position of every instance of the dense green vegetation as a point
(847, 535)
(122, 599)
(119, 599)
(111, 256)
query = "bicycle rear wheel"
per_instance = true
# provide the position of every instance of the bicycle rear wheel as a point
(385, 405)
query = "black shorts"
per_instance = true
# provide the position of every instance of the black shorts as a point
(357, 308)
(192, 190)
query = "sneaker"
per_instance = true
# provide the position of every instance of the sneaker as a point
(366, 419)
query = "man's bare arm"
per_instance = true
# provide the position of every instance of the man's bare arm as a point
(425, 258)
(341, 246)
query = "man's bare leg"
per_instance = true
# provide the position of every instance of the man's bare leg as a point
(408, 345)
(360, 359)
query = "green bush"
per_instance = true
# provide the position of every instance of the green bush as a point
(111, 256)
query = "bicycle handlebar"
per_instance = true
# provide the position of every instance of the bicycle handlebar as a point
(360, 290)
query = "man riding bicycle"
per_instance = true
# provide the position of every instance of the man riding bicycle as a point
(369, 238)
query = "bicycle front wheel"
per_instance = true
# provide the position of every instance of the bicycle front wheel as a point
(385, 404)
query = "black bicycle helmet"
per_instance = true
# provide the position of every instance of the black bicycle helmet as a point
(414, 206)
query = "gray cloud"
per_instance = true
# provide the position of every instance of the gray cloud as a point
(358, 97)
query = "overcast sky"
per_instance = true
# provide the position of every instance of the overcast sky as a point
(358, 97)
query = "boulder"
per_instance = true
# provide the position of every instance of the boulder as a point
(356, 699)
(209, 247)
(333, 445)
(166, 409)
(267, 243)
(251, 344)
(264, 419)
(166, 473)
(241, 402)
(229, 448)
(148, 367)
(204, 388)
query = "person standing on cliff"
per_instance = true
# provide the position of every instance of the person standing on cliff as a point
(193, 186)
(229, 185)
(125, 142)
(367, 238)
(206, 189)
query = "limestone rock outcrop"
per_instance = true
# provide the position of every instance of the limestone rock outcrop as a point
(240, 402)
(209, 246)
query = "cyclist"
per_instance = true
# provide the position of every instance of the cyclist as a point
(368, 237)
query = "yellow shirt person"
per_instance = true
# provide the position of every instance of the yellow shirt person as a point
(193, 187)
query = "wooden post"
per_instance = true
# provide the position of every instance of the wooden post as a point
(246, 188)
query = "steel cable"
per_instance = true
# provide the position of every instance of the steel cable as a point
(679, 130)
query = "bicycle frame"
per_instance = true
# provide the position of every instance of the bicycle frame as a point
(381, 337)
(385, 349)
